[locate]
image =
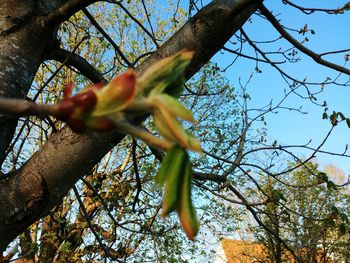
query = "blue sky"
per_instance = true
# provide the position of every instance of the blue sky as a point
(331, 33)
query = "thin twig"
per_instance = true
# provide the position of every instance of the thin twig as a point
(109, 39)
(316, 57)
(88, 220)
(137, 175)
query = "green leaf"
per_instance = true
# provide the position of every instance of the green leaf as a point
(342, 228)
(322, 177)
(187, 213)
(341, 115)
(175, 173)
(166, 73)
(277, 196)
(334, 209)
(171, 129)
(344, 217)
(172, 105)
(331, 185)
(175, 88)
(166, 165)
(173, 181)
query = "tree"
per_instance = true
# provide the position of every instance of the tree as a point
(309, 217)
(31, 34)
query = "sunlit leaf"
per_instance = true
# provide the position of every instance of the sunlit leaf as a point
(173, 106)
(173, 182)
(176, 175)
(187, 213)
(172, 130)
(165, 73)
(166, 165)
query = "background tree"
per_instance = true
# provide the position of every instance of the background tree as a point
(311, 216)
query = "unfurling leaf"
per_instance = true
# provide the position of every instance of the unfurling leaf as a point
(172, 130)
(163, 78)
(116, 95)
(165, 74)
(174, 107)
(165, 166)
(348, 122)
(341, 115)
(99, 107)
(173, 183)
(175, 173)
(187, 213)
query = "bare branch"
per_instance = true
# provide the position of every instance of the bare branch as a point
(310, 10)
(298, 45)
(17, 107)
(109, 39)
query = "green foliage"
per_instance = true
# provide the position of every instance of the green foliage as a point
(175, 173)
(312, 218)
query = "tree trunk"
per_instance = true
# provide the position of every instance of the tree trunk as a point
(22, 45)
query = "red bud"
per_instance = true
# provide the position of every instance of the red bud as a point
(86, 101)
(126, 82)
(67, 91)
(76, 124)
(65, 109)
(101, 124)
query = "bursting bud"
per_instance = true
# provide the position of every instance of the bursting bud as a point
(95, 106)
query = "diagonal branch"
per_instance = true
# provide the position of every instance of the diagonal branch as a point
(65, 11)
(316, 57)
(106, 36)
(80, 63)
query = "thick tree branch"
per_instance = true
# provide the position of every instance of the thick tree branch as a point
(316, 57)
(78, 62)
(42, 182)
(65, 11)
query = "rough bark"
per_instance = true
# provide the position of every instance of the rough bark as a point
(22, 44)
(40, 184)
